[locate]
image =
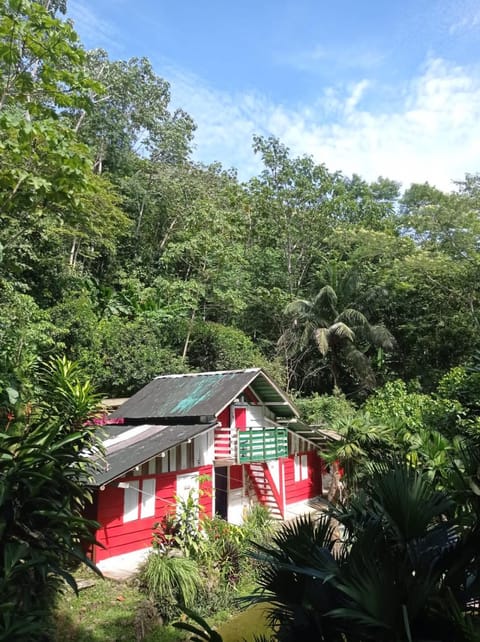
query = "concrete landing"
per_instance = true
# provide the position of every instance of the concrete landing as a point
(123, 567)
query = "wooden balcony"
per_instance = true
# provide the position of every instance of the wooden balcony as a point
(261, 444)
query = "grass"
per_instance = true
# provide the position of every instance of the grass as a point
(112, 611)
(109, 611)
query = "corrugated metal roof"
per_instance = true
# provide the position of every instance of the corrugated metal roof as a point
(315, 434)
(174, 408)
(113, 404)
(202, 395)
(131, 446)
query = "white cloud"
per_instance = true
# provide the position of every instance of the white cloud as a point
(95, 32)
(465, 16)
(430, 134)
(321, 59)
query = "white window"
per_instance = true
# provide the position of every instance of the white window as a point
(297, 470)
(130, 501)
(187, 486)
(304, 466)
(300, 467)
(183, 456)
(147, 508)
(136, 497)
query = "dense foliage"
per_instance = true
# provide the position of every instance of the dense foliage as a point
(138, 261)
(201, 562)
(45, 448)
(119, 251)
(398, 563)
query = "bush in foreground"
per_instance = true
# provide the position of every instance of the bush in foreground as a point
(45, 449)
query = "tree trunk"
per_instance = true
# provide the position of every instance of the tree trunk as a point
(73, 253)
(334, 491)
(189, 334)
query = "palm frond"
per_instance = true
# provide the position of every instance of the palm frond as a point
(354, 318)
(408, 501)
(299, 537)
(341, 331)
(321, 339)
(326, 299)
(203, 632)
(380, 337)
(300, 308)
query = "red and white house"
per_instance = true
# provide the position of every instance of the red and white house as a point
(233, 434)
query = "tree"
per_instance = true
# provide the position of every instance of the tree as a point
(363, 439)
(131, 115)
(446, 222)
(26, 333)
(219, 347)
(54, 6)
(368, 205)
(292, 206)
(50, 198)
(201, 254)
(406, 567)
(342, 333)
(432, 301)
(126, 355)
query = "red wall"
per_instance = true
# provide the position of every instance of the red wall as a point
(224, 417)
(236, 476)
(119, 538)
(241, 418)
(306, 488)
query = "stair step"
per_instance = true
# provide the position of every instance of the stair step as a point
(259, 475)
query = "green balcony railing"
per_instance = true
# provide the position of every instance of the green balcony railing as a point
(262, 444)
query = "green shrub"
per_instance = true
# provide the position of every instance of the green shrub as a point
(258, 523)
(180, 529)
(324, 409)
(170, 581)
(43, 491)
(222, 549)
(126, 355)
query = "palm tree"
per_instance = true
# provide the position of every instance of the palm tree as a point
(406, 569)
(363, 440)
(293, 580)
(342, 333)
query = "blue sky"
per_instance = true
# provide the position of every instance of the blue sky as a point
(367, 87)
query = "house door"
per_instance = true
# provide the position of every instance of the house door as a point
(221, 492)
(187, 485)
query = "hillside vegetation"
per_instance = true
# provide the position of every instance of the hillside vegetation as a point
(122, 259)
(120, 252)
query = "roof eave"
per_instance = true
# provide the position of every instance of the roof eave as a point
(143, 460)
(255, 373)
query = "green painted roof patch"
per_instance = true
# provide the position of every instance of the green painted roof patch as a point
(203, 388)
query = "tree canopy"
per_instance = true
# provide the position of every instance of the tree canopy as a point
(139, 260)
